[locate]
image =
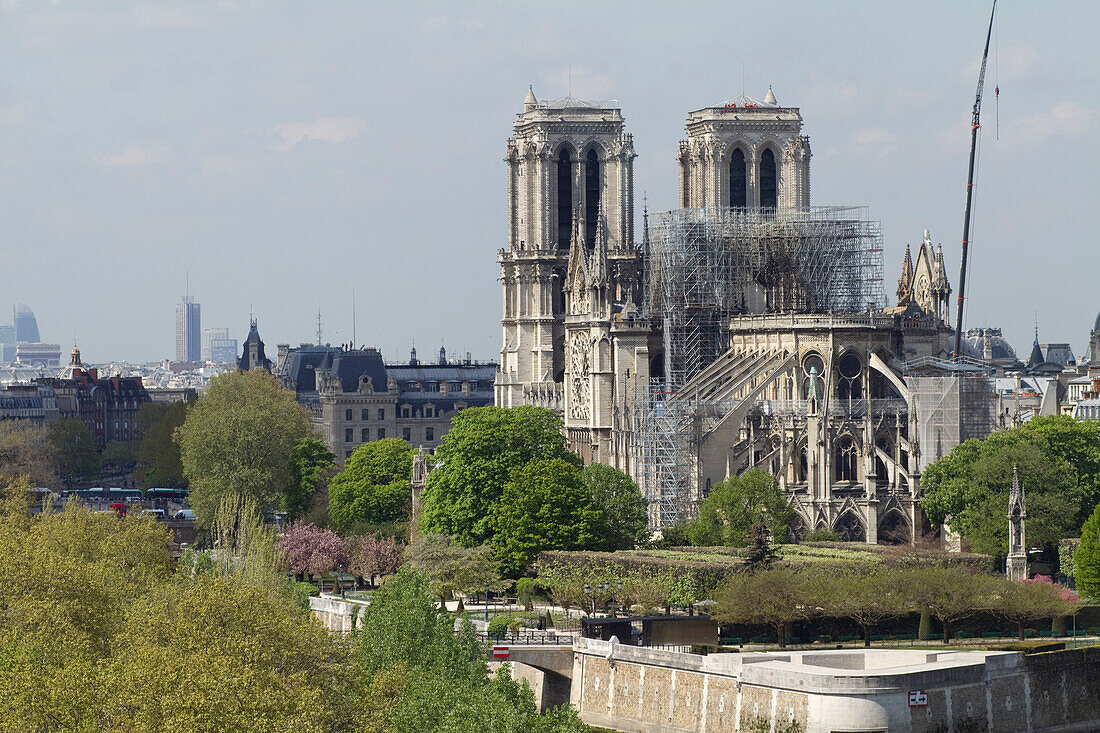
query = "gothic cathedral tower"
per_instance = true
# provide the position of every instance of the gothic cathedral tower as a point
(570, 262)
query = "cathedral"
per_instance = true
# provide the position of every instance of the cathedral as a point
(744, 328)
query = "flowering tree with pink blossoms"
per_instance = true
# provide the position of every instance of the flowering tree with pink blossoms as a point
(369, 555)
(308, 549)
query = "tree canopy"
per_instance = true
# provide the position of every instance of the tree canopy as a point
(1086, 559)
(969, 487)
(727, 514)
(73, 448)
(26, 450)
(545, 506)
(422, 676)
(158, 455)
(478, 457)
(622, 505)
(373, 488)
(311, 465)
(238, 439)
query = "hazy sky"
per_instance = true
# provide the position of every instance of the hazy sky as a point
(287, 154)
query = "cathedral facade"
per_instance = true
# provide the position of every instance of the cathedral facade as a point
(746, 328)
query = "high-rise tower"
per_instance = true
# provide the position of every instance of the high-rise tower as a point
(188, 331)
(26, 326)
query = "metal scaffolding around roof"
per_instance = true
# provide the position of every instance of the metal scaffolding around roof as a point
(954, 401)
(705, 265)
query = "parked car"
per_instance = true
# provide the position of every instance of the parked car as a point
(188, 514)
(157, 514)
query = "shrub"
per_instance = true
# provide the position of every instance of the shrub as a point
(1030, 647)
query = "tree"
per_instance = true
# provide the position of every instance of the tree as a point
(949, 593)
(478, 457)
(25, 450)
(73, 448)
(311, 464)
(1087, 558)
(238, 439)
(452, 568)
(212, 654)
(969, 489)
(761, 553)
(1038, 598)
(1078, 442)
(117, 454)
(422, 676)
(370, 555)
(623, 507)
(308, 549)
(778, 597)
(544, 507)
(866, 598)
(373, 489)
(727, 514)
(158, 455)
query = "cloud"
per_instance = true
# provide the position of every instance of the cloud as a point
(1006, 63)
(134, 155)
(325, 130)
(882, 141)
(1064, 118)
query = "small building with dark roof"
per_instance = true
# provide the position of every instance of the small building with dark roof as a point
(252, 356)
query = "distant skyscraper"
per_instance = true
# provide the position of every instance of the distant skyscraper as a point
(26, 327)
(209, 335)
(7, 343)
(188, 331)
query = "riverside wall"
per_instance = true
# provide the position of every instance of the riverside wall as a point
(639, 690)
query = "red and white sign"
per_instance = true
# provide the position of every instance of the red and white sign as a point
(500, 652)
(918, 699)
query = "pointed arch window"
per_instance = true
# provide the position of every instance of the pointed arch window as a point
(768, 192)
(591, 197)
(565, 199)
(739, 183)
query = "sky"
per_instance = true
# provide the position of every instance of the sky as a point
(286, 158)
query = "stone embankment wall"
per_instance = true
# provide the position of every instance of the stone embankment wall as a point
(641, 690)
(335, 614)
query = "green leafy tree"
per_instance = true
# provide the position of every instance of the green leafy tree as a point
(1078, 442)
(544, 507)
(866, 598)
(452, 568)
(158, 455)
(623, 507)
(1031, 600)
(422, 676)
(26, 450)
(311, 464)
(238, 439)
(478, 457)
(117, 454)
(251, 662)
(373, 489)
(727, 514)
(761, 553)
(1086, 560)
(777, 597)
(949, 593)
(74, 448)
(969, 489)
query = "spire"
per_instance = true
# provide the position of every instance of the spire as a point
(1036, 357)
(905, 283)
(598, 264)
(530, 102)
(770, 96)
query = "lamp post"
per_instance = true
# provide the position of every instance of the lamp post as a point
(486, 603)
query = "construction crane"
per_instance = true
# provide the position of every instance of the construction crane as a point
(975, 124)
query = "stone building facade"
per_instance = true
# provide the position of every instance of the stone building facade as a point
(799, 380)
(356, 398)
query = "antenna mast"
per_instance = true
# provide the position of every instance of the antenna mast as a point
(318, 325)
(975, 124)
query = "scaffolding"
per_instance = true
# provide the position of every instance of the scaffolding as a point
(705, 265)
(954, 401)
(662, 458)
